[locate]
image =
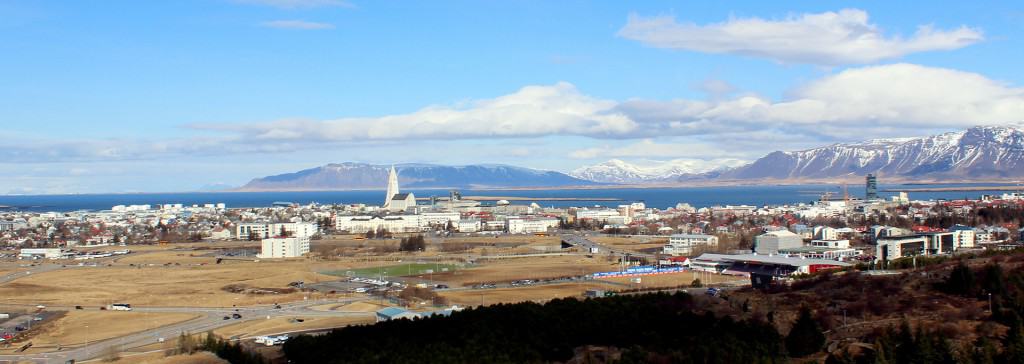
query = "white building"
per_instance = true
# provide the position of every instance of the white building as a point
(684, 244)
(440, 219)
(266, 230)
(392, 223)
(469, 226)
(894, 247)
(964, 236)
(290, 247)
(48, 253)
(401, 202)
(772, 241)
(831, 243)
(530, 226)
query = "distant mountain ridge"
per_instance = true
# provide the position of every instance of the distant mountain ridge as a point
(974, 154)
(978, 153)
(618, 171)
(369, 176)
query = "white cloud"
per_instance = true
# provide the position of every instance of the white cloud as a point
(298, 4)
(297, 24)
(829, 38)
(532, 111)
(892, 96)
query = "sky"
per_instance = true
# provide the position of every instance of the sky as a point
(146, 96)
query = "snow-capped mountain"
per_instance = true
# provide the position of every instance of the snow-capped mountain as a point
(618, 171)
(975, 153)
(337, 176)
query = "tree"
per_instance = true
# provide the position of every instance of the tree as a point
(370, 234)
(805, 337)
(696, 283)
(412, 244)
(961, 280)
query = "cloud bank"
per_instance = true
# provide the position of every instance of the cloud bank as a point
(828, 39)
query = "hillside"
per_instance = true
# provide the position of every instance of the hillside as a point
(978, 154)
(368, 176)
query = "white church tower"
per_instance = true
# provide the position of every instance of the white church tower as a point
(392, 187)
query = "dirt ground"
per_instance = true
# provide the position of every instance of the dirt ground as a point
(203, 357)
(284, 324)
(676, 279)
(78, 327)
(633, 243)
(541, 293)
(504, 270)
(160, 286)
(350, 307)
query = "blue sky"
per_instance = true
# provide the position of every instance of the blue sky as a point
(120, 96)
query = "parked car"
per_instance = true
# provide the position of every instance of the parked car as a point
(713, 292)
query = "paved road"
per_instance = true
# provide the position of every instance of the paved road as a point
(583, 242)
(211, 318)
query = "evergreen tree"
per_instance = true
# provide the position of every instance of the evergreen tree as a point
(805, 337)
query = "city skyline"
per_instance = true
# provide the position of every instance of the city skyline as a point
(125, 97)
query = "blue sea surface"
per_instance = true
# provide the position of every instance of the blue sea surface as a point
(758, 195)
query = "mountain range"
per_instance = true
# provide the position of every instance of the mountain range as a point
(979, 153)
(369, 176)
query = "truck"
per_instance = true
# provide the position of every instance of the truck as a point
(120, 307)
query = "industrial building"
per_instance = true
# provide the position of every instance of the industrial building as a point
(773, 265)
(772, 241)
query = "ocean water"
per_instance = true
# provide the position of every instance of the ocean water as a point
(654, 197)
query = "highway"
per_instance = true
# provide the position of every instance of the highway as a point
(211, 318)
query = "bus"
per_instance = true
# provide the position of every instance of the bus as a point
(121, 307)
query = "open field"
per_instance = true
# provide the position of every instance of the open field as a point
(161, 257)
(286, 324)
(525, 268)
(520, 294)
(160, 286)
(364, 306)
(79, 327)
(632, 243)
(676, 279)
(202, 357)
(398, 270)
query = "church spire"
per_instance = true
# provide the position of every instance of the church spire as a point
(392, 186)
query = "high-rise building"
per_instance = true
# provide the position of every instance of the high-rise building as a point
(392, 187)
(871, 187)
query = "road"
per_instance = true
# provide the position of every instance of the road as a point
(211, 318)
(583, 242)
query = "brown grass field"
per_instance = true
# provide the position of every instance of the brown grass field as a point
(541, 293)
(350, 307)
(202, 357)
(675, 279)
(283, 324)
(504, 270)
(160, 286)
(635, 244)
(79, 327)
